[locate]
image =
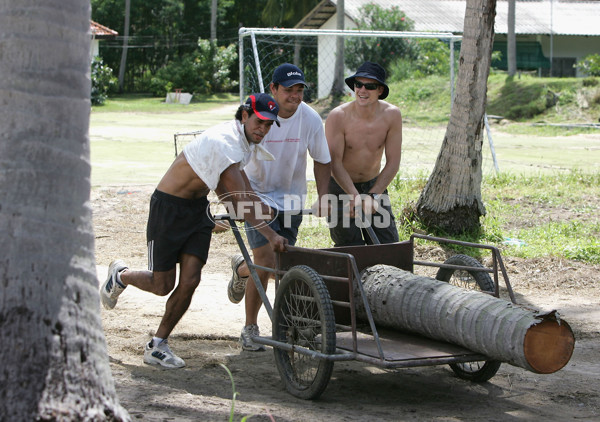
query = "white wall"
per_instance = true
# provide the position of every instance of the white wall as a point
(327, 52)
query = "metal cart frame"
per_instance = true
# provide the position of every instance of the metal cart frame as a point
(339, 269)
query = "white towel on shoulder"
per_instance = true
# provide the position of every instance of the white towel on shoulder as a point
(219, 147)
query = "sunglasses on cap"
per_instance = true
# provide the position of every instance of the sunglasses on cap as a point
(370, 86)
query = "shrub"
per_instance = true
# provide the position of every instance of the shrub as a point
(205, 71)
(383, 51)
(103, 81)
(590, 65)
(432, 58)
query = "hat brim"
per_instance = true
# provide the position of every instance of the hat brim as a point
(265, 115)
(350, 82)
(293, 82)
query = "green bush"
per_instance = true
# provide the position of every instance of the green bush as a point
(590, 65)
(103, 81)
(432, 58)
(205, 71)
(383, 51)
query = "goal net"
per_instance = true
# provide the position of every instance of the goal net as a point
(181, 139)
(261, 50)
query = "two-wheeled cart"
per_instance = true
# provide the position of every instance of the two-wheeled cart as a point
(314, 315)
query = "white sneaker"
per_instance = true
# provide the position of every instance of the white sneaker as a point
(111, 288)
(248, 332)
(162, 355)
(237, 285)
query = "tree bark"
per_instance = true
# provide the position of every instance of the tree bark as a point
(213, 20)
(496, 328)
(337, 89)
(451, 199)
(54, 362)
(123, 65)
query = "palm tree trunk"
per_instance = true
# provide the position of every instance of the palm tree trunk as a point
(451, 200)
(496, 328)
(54, 362)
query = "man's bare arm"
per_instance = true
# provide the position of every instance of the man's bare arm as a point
(322, 174)
(393, 151)
(233, 184)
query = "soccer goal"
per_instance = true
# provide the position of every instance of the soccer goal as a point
(181, 139)
(261, 50)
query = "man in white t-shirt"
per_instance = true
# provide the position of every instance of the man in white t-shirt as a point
(283, 181)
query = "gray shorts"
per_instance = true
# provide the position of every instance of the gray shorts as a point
(287, 229)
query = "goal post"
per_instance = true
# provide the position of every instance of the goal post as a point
(261, 50)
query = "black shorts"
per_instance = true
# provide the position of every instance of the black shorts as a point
(345, 232)
(177, 226)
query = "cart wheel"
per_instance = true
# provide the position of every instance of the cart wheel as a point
(479, 371)
(303, 316)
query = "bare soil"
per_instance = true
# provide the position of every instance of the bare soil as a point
(207, 337)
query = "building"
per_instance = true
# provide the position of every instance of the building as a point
(552, 35)
(99, 32)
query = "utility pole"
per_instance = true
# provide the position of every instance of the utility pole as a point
(511, 47)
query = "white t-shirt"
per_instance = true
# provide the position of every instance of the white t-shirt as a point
(219, 147)
(284, 180)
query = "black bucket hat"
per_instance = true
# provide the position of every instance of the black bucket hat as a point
(373, 71)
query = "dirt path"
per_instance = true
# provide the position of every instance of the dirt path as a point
(207, 337)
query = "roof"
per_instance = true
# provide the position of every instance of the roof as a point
(101, 31)
(560, 17)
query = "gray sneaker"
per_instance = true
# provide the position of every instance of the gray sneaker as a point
(248, 332)
(111, 288)
(237, 285)
(161, 354)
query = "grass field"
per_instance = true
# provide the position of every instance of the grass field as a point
(546, 196)
(134, 144)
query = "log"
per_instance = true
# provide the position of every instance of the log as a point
(501, 330)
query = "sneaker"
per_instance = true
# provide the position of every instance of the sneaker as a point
(162, 355)
(111, 289)
(248, 332)
(237, 285)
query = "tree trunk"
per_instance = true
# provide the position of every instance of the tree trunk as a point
(337, 89)
(213, 21)
(123, 64)
(451, 200)
(496, 328)
(54, 362)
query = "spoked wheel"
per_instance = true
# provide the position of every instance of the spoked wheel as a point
(479, 371)
(303, 317)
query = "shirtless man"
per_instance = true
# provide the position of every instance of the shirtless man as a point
(180, 224)
(358, 133)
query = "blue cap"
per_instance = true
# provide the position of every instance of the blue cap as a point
(264, 106)
(287, 75)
